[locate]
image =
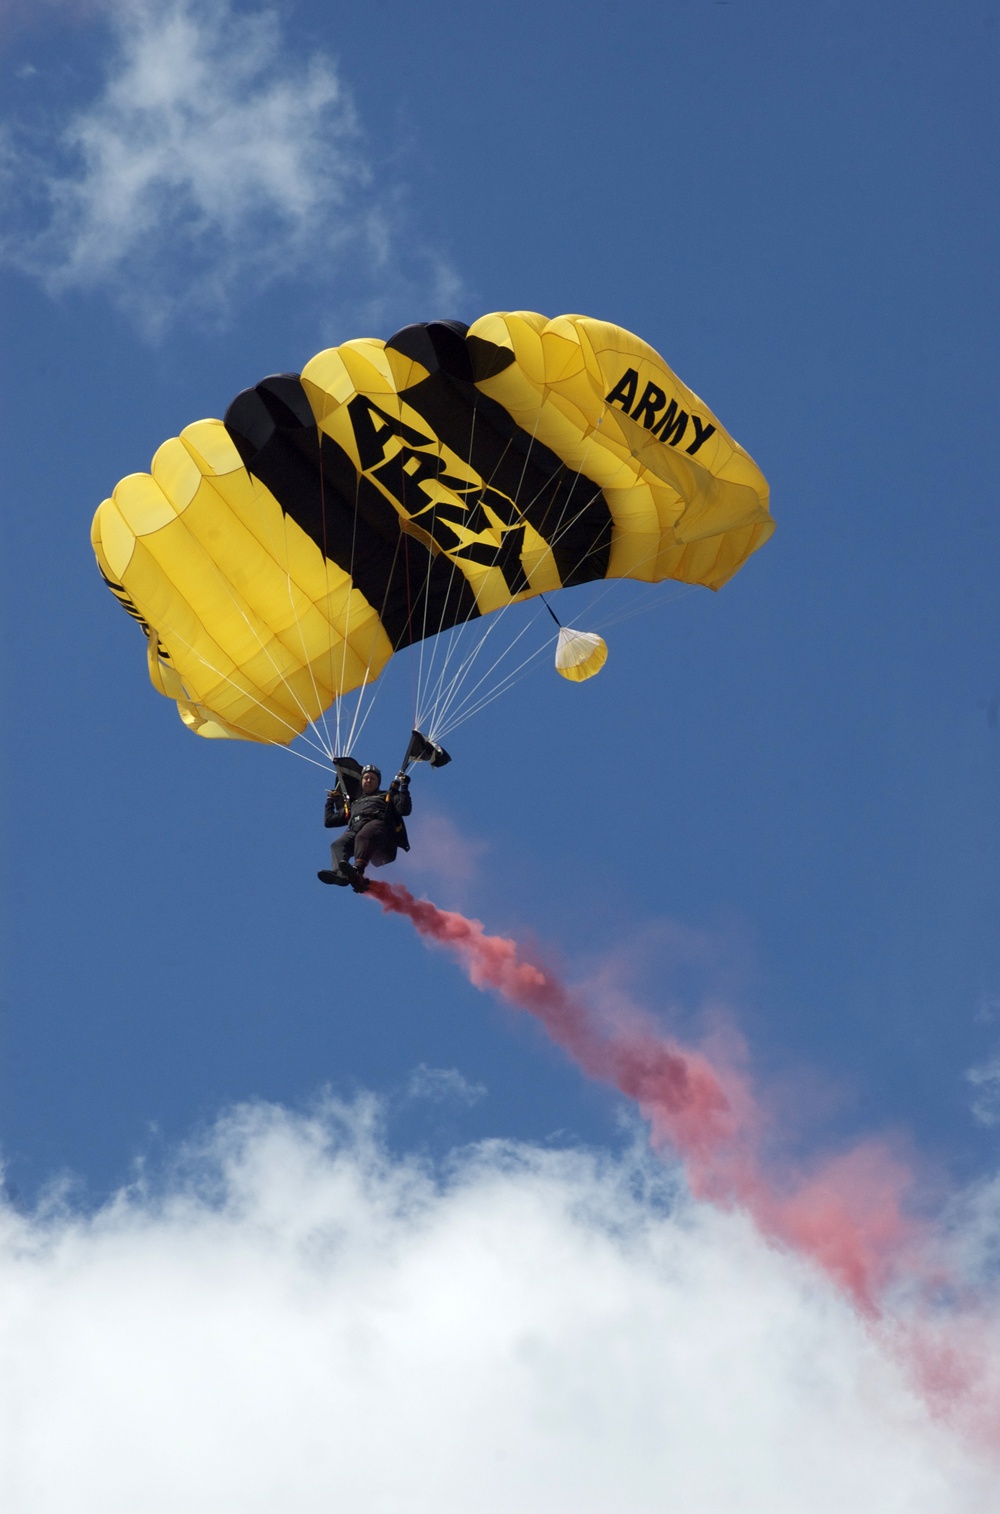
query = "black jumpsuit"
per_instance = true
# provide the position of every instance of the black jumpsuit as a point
(375, 828)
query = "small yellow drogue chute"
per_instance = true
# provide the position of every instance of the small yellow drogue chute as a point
(395, 491)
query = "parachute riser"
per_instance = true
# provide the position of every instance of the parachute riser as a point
(420, 749)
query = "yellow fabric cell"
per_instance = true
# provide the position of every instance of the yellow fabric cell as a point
(327, 382)
(368, 368)
(524, 336)
(253, 571)
(117, 540)
(538, 563)
(561, 352)
(142, 504)
(194, 654)
(196, 579)
(260, 514)
(176, 473)
(212, 448)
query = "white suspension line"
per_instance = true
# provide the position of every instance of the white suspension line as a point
(497, 615)
(501, 688)
(434, 642)
(305, 651)
(363, 686)
(432, 649)
(443, 695)
(452, 707)
(350, 601)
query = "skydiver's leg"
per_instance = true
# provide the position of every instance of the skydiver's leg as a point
(341, 850)
(383, 850)
(341, 871)
(371, 844)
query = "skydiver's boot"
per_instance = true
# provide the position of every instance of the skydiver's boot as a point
(356, 876)
(328, 875)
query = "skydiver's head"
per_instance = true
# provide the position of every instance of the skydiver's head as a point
(371, 778)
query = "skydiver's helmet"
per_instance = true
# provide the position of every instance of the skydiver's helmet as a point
(371, 768)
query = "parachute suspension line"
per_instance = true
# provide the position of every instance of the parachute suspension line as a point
(292, 751)
(446, 695)
(326, 581)
(409, 615)
(443, 691)
(462, 714)
(362, 699)
(432, 644)
(561, 528)
(454, 714)
(446, 690)
(431, 652)
(649, 602)
(448, 710)
(609, 585)
(447, 707)
(347, 623)
(433, 648)
(454, 710)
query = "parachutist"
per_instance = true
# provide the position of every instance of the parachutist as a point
(374, 820)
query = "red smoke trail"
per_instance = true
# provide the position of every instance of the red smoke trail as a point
(847, 1216)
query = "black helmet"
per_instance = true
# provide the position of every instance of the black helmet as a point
(370, 767)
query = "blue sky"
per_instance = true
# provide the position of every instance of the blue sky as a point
(777, 805)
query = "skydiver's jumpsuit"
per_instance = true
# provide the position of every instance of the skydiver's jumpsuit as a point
(375, 828)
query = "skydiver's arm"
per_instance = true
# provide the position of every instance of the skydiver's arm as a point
(399, 793)
(335, 809)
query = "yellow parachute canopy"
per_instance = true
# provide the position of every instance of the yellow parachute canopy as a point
(275, 560)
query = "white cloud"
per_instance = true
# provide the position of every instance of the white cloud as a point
(211, 163)
(300, 1322)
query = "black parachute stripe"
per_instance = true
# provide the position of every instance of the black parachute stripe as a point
(567, 509)
(274, 430)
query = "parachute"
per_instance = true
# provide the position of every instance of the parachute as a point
(395, 491)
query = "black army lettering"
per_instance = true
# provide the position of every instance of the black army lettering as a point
(477, 508)
(670, 426)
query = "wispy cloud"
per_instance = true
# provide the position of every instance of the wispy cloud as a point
(211, 162)
(985, 1079)
(441, 1085)
(298, 1319)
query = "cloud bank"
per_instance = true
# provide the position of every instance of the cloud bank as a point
(297, 1320)
(211, 163)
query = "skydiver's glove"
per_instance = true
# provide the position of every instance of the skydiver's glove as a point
(404, 779)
